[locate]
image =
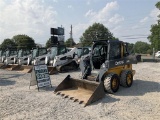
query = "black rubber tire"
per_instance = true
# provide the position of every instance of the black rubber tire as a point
(108, 83)
(126, 74)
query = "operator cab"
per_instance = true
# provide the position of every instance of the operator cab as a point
(82, 51)
(103, 50)
(2, 53)
(22, 53)
(57, 50)
(11, 52)
(38, 52)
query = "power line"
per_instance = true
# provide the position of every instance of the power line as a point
(140, 35)
(134, 37)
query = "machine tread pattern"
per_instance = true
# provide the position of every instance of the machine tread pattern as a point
(123, 79)
(108, 82)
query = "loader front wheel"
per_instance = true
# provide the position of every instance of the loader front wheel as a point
(111, 83)
(126, 78)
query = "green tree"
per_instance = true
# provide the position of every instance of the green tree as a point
(70, 42)
(158, 7)
(24, 41)
(95, 32)
(154, 38)
(131, 47)
(8, 43)
(48, 43)
(142, 47)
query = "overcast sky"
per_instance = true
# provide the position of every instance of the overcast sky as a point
(128, 20)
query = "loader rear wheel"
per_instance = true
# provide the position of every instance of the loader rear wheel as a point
(111, 83)
(126, 79)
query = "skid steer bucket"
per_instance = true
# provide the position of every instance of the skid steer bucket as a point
(52, 70)
(1, 64)
(83, 91)
(24, 68)
(9, 67)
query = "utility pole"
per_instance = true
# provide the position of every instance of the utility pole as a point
(153, 53)
(71, 37)
(71, 33)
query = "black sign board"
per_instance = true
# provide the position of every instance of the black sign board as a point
(60, 31)
(40, 76)
(54, 39)
(57, 31)
(54, 31)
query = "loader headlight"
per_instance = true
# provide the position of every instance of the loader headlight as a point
(51, 61)
(103, 65)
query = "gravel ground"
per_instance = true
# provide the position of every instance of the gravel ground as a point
(139, 102)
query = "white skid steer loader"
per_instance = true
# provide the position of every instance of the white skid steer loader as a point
(38, 56)
(61, 59)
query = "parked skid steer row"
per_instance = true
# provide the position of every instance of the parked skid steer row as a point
(22, 60)
(10, 59)
(108, 66)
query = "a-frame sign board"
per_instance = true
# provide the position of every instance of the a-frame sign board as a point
(40, 76)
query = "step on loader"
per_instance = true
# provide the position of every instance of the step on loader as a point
(107, 67)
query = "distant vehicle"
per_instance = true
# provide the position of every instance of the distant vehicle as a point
(157, 54)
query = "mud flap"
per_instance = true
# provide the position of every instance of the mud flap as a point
(83, 91)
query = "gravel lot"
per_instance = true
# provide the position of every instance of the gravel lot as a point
(140, 102)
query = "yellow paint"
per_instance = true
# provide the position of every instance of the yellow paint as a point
(119, 69)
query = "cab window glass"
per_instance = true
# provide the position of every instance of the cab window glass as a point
(115, 51)
(61, 50)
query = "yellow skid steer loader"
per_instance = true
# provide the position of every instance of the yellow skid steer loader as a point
(107, 67)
